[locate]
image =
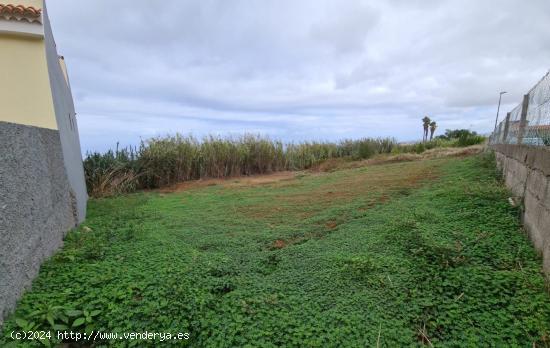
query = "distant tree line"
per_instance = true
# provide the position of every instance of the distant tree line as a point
(463, 137)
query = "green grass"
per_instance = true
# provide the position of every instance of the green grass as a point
(401, 254)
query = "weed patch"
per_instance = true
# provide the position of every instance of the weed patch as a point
(412, 253)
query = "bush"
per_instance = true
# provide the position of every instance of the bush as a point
(455, 134)
(463, 137)
(469, 140)
(113, 172)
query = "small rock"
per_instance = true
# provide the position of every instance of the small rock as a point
(514, 201)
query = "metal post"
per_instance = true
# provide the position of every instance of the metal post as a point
(506, 128)
(498, 109)
(523, 121)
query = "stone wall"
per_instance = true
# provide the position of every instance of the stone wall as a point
(526, 170)
(37, 207)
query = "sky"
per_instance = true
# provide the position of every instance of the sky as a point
(296, 70)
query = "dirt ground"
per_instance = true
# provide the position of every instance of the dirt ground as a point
(241, 181)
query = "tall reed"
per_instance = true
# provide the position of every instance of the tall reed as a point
(163, 161)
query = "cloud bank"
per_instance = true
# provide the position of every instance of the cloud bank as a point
(295, 70)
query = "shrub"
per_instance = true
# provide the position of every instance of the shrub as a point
(113, 172)
(463, 137)
(471, 139)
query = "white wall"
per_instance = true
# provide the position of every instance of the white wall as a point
(66, 121)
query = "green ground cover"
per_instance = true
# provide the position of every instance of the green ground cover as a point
(401, 254)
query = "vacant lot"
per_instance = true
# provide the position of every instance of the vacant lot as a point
(413, 253)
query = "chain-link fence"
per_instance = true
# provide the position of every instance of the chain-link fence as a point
(529, 122)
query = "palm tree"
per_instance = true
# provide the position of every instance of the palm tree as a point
(433, 127)
(426, 122)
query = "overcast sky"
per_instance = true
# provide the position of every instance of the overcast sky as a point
(296, 70)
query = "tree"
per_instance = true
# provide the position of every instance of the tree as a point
(426, 123)
(433, 127)
(456, 134)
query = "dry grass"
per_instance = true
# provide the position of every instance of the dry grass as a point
(453, 151)
(113, 182)
(371, 186)
(241, 181)
(441, 152)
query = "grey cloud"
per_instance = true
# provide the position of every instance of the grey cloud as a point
(296, 69)
(345, 29)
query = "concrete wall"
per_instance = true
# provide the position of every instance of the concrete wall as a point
(36, 206)
(526, 172)
(66, 120)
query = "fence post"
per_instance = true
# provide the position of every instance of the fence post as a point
(523, 121)
(506, 129)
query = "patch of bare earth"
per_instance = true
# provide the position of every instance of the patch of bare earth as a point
(370, 187)
(384, 178)
(453, 151)
(442, 152)
(240, 181)
(365, 188)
